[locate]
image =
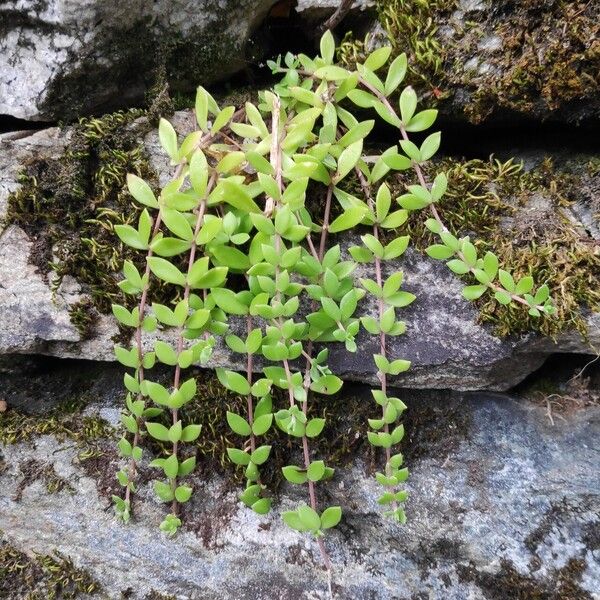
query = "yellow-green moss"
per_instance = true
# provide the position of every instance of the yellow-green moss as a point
(65, 422)
(488, 200)
(42, 576)
(547, 56)
(71, 204)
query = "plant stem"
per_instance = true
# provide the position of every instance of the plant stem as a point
(249, 401)
(132, 468)
(180, 339)
(275, 159)
(382, 337)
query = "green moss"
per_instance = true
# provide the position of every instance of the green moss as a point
(71, 204)
(488, 200)
(65, 422)
(42, 576)
(411, 26)
(547, 56)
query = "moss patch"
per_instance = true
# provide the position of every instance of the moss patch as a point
(65, 422)
(521, 216)
(41, 577)
(528, 57)
(70, 206)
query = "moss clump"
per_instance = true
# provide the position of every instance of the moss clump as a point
(528, 57)
(42, 576)
(70, 206)
(521, 217)
(409, 26)
(65, 422)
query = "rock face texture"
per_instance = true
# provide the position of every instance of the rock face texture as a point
(446, 344)
(60, 59)
(502, 505)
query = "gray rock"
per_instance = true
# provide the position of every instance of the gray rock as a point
(502, 504)
(62, 59)
(447, 346)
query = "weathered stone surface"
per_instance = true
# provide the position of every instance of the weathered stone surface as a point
(502, 505)
(446, 345)
(62, 59)
(494, 60)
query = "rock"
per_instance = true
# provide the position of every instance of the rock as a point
(59, 60)
(485, 60)
(447, 345)
(502, 505)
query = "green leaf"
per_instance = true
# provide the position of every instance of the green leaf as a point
(199, 173)
(231, 257)
(190, 433)
(362, 99)
(237, 196)
(458, 266)
(260, 455)
(507, 281)
(164, 270)
(234, 381)
(332, 73)
(171, 466)
(348, 219)
(330, 517)
(183, 493)
(423, 120)
(472, 292)
(439, 252)
(309, 518)
(168, 138)
(396, 247)
(294, 474)
(316, 470)
(130, 237)
(141, 191)
(201, 108)
(328, 384)
(262, 506)
(327, 47)
(490, 265)
(262, 424)
(356, 133)
(212, 279)
(222, 119)
(524, 286)
(348, 159)
(314, 427)
(260, 163)
(238, 424)
(503, 297)
(163, 491)
(396, 73)
(408, 104)
(292, 520)
(431, 145)
(158, 431)
(238, 457)
(187, 466)
(378, 58)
